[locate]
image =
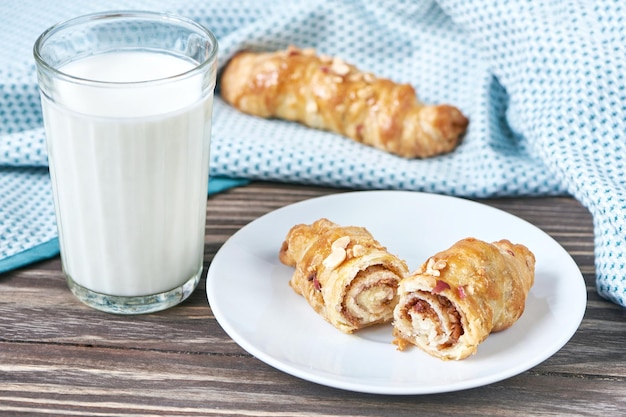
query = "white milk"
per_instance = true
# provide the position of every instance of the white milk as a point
(129, 169)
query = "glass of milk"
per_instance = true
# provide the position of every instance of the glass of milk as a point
(127, 103)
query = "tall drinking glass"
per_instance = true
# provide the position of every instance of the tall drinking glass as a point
(127, 103)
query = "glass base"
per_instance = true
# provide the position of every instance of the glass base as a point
(134, 305)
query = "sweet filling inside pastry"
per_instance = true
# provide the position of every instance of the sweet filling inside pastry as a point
(434, 319)
(371, 296)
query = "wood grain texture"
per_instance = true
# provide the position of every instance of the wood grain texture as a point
(58, 357)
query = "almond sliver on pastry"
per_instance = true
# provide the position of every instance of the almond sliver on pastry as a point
(344, 273)
(461, 295)
(327, 93)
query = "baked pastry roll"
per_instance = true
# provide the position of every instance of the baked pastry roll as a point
(345, 275)
(328, 93)
(460, 295)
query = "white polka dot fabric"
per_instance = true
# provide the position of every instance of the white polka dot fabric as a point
(542, 83)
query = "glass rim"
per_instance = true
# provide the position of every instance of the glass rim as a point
(140, 14)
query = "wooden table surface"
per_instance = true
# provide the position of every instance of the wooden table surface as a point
(59, 357)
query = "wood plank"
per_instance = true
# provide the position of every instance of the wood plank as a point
(111, 381)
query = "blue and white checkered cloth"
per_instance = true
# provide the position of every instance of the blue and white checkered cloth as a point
(543, 83)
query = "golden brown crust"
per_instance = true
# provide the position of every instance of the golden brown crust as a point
(345, 275)
(461, 295)
(328, 93)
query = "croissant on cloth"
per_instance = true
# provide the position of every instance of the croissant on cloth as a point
(327, 93)
(345, 275)
(460, 295)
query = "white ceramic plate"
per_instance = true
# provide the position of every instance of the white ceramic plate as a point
(248, 291)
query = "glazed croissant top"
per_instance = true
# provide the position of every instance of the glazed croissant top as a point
(327, 93)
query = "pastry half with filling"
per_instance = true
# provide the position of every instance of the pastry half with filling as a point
(327, 93)
(347, 276)
(461, 295)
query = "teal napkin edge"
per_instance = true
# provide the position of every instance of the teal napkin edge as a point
(37, 253)
(50, 249)
(220, 184)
